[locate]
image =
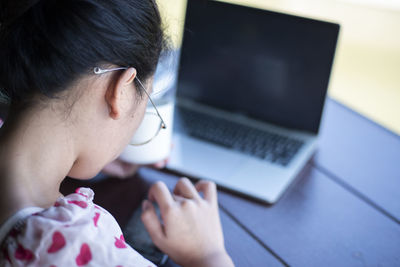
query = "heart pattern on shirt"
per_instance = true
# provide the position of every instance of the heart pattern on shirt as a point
(85, 255)
(120, 242)
(96, 218)
(78, 191)
(49, 236)
(23, 254)
(81, 204)
(57, 244)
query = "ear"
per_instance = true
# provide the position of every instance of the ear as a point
(115, 92)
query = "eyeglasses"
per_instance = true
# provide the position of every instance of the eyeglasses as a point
(144, 136)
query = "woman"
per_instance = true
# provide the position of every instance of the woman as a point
(77, 74)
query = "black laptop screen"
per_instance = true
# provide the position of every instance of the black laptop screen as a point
(266, 65)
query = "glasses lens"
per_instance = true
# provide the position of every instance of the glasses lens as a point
(148, 129)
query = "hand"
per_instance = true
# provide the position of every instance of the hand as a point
(122, 169)
(190, 232)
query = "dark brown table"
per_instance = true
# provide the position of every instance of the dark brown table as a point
(342, 210)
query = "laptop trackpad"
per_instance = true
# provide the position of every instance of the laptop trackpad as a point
(203, 160)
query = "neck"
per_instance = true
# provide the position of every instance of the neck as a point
(36, 153)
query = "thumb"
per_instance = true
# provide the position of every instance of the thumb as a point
(152, 223)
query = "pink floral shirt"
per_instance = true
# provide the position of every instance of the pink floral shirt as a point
(74, 232)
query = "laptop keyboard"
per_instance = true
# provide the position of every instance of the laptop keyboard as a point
(265, 145)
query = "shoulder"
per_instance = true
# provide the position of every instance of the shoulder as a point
(74, 232)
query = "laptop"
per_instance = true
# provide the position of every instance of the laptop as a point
(251, 88)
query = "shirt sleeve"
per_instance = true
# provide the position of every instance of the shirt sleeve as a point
(74, 232)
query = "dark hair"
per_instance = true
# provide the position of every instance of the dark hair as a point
(45, 45)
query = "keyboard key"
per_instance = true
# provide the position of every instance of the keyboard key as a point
(265, 145)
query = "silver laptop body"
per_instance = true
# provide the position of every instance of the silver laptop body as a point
(250, 95)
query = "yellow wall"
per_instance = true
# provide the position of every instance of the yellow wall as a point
(173, 13)
(366, 75)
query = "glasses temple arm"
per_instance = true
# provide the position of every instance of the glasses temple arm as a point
(98, 70)
(164, 126)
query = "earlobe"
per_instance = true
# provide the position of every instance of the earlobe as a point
(111, 100)
(114, 113)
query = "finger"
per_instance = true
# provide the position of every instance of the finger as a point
(209, 189)
(159, 193)
(113, 169)
(179, 198)
(152, 222)
(160, 164)
(129, 168)
(120, 169)
(186, 189)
